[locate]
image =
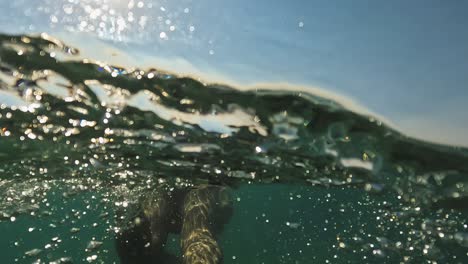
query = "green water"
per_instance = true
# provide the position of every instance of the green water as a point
(313, 182)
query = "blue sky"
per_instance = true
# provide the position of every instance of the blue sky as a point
(403, 60)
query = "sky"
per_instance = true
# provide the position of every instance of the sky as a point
(405, 61)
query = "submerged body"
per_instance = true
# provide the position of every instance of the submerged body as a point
(197, 213)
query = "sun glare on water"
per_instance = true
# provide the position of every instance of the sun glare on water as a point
(120, 20)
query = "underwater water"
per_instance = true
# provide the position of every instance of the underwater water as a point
(313, 182)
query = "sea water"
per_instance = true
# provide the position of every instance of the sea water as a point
(312, 181)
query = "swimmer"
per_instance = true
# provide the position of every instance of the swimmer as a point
(197, 213)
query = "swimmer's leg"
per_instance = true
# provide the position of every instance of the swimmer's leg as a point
(201, 221)
(130, 243)
(143, 240)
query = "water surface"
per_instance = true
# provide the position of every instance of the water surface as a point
(402, 60)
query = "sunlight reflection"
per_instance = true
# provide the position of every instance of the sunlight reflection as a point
(117, 20)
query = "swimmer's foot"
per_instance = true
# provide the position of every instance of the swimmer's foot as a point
(199, 247)
(166, 258)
